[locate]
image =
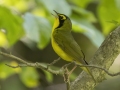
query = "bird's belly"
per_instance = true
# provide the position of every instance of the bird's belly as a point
(60, 52)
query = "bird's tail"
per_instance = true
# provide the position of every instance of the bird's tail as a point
(89, 72)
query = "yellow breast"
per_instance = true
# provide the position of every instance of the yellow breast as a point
(59, 51)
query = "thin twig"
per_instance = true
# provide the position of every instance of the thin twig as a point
(13, 57)
(52, 63)
(93, 66)
(42, 66)
(19, 65)
(25, 63)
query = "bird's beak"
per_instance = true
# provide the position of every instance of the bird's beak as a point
(56, 14)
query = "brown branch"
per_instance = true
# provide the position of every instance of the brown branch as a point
(63, 70)
(36, 65)
(100, 68)
(104, 57)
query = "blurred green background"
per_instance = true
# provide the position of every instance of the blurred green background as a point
(25, 30)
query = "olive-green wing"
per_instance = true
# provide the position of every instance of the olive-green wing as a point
(67, 43)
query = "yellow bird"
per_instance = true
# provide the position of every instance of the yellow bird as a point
(64, 44)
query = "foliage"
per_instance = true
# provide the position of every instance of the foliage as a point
(37, 24)
(29, 77)
(108, 12)
(6, 71)
(37, 27)
(12, 24)
(31, 21)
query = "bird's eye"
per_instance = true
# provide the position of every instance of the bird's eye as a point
(62, 17)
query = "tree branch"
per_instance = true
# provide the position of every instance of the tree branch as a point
(36, 65)
(104, 57)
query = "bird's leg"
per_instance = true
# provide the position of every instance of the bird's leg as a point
(66, 65)
(72, 69)
(67, 73)
(56, 60)
(66, 78)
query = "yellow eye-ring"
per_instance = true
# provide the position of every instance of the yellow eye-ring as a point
(62, 17)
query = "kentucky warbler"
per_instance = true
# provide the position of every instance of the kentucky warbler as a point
(64, 44)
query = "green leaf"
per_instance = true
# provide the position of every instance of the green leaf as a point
(49, 76)
(83, 14)
(12, 24)
(81, 3)
(108, 12)
(73, 76)
(6, 71)
(60, 6)
(89, 31)
(3, 39)
(37, 29)
(29, 77)
(20, 5)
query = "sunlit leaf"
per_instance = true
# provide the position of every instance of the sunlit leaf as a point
(6, 71)
(81, 3)
(108, 12)
(84, 14)
(39, 12)
(12, 24)
(37, 29)
(3, 39)
(29, 77)
(20, 5)
(89, 31)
